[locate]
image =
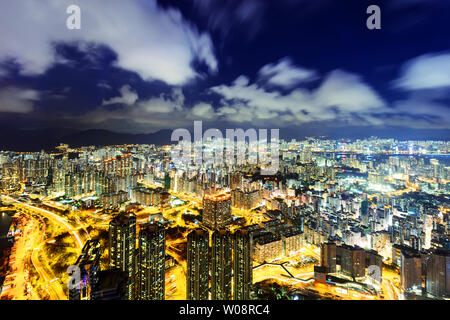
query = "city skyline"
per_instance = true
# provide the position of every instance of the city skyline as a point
(364, 219)
(242, 152)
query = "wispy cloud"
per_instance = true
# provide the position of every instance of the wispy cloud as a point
(340, 95)
(426, 72)
(133, 114)
(426, 79)
(285, 74)
(155, 43)
(128, 97)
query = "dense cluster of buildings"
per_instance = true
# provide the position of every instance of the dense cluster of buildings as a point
(365, 202)
(218, 256)
(134, 272)
(219, 262)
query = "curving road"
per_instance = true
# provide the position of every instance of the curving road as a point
(55, 288)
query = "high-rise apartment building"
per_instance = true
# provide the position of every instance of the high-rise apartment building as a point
(242, 264)
(216, 210)
(221, 259)
(246, 199)
(122, 247)
(151, 262)
(197, 265)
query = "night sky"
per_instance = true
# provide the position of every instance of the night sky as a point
(307, 67)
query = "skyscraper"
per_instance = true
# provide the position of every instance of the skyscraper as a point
(197, 265)
(242, 264)
(122, 246)
(216, 210)
(221, 265)
(151, 262)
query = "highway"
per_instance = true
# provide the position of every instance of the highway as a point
(37, 237)
(19, 275)
(48, 277)
(27, 254)
(55, 218)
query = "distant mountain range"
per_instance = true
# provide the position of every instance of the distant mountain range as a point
(48, 139)
(14, 139)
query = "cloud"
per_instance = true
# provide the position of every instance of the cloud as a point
(202, 111)
(285, 74)
(425, 72)
(348, 92)
(163, 103)
(420, 112)
(128, 97)
(143, 115)
(341, 98)
(427, 80)
(104, 85)
(155, 43)
(17, 100)
(238, 113)
(341, 95)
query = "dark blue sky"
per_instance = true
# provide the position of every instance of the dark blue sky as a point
(308, 67)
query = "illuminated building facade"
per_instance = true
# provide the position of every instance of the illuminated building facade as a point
(114, 200)
(292, 241)
(151, 197)
(245, 199)
(268, 248)
(374, 259)
(216, 210)
(276, 240)
(221, 265)
(122, 247)
(151, 262)
(197, 265)
(242, 264)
